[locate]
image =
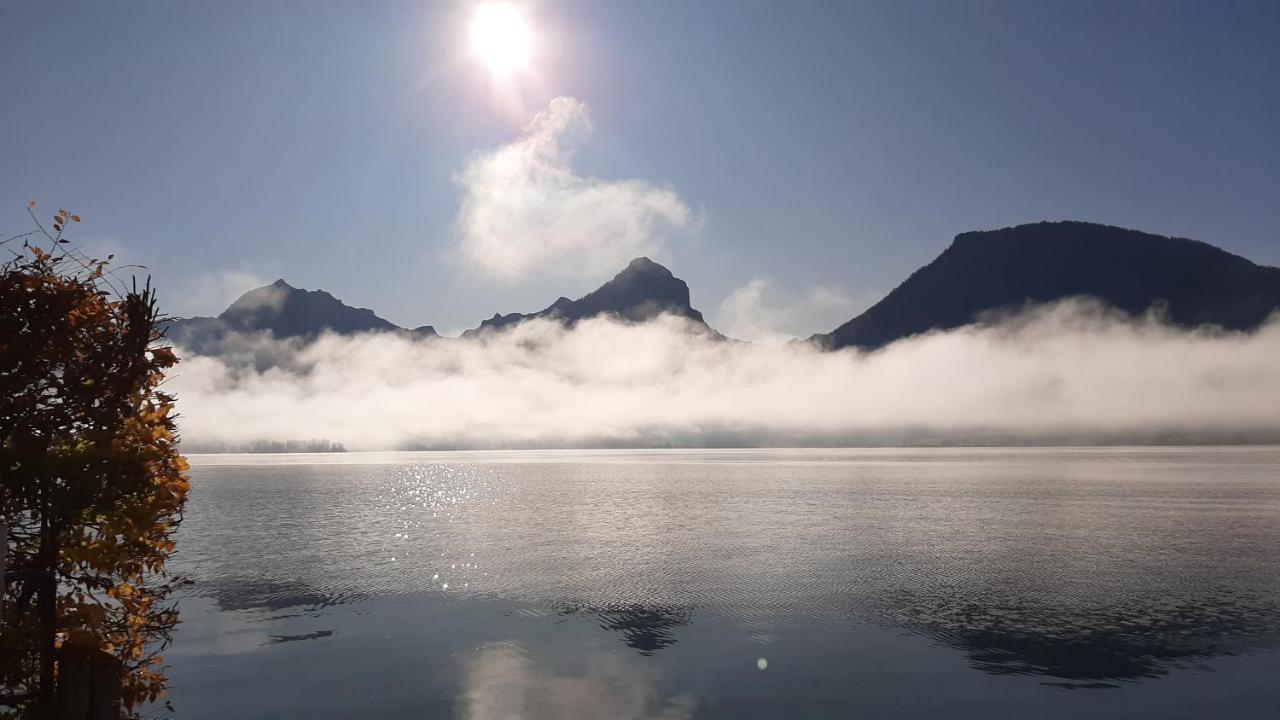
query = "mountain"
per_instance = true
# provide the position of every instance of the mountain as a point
(283, 311)
(1196, 283)
(1193, 282)
(288, 312)
(642, 291)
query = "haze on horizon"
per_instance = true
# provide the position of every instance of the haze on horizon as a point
(1072, 371)
(791, 163)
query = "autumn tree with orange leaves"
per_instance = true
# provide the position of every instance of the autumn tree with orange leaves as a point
(91, 481)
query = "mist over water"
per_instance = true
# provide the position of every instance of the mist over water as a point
(1072, 369)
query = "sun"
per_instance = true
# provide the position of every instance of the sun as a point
(501, 38)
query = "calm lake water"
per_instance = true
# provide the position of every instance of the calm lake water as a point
(1108, 583)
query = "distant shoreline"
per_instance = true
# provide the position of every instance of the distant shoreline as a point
(1260, 441)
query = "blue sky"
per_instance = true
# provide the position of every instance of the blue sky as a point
(819, 145)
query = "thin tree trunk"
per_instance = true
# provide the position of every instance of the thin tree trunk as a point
(48, 609)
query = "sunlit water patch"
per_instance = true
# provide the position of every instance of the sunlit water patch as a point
(733, 584)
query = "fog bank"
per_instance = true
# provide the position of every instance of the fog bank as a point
(1070, 370)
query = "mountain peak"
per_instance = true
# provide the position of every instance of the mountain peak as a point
(1008, 268)
(281, 310)
(644, 264)
(641, 291)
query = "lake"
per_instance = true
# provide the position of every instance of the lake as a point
(1048, 583)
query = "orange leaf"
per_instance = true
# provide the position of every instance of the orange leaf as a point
(31, 204)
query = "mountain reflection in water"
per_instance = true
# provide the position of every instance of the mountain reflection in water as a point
(256, 593)
(735, 584)
(645, 629)
(1088, 646)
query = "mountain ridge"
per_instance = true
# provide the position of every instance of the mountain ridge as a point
(642, 291)
(1195, 283)
(285, 312)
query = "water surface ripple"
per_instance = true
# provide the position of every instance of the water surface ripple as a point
(1077, 568)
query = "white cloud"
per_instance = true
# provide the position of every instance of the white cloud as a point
(182, 294)
(759, 312)
(525, 210)
(1067, 368)
(210, 293)
(503, 681)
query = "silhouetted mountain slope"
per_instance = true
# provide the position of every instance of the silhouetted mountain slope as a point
(285, 312)
(291, 312)
(1197, 283)
(642, 291)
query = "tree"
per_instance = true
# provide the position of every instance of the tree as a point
(91, 481)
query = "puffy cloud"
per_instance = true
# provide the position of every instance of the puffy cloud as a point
(185, 293)
(525, 210)
(1065, 369)
(503, 681)
(759, 312)
(211, 292)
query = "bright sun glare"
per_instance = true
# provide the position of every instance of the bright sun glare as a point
(501, 38)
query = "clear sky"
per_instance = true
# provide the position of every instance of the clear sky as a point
(830, 145)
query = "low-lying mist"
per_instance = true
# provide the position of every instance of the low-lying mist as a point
(1067, 372)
